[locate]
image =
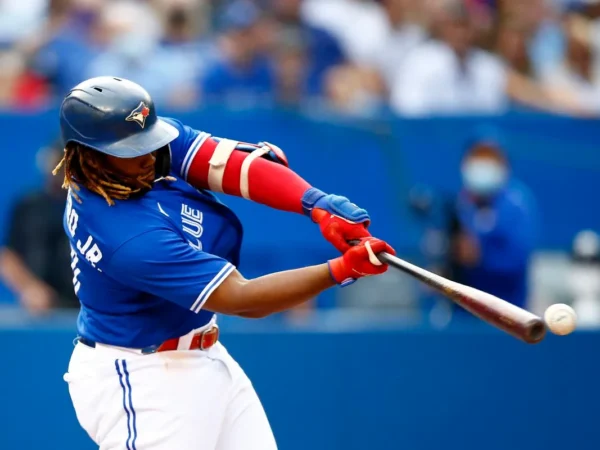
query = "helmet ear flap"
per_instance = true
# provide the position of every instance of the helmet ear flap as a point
(163, 161)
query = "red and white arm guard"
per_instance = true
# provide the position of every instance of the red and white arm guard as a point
(260, 173)
(248, 171)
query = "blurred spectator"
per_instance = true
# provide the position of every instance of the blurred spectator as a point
(405, 32)
(242, 74)
(354, 90)
(63, 49)
(186, 38)
(485, 14)
(495, 224)
(590, 9)
(584, 278)
(135, 52)
(323, 51)
(289, 55)
(512, 45)
(19, 89)
(449, 75)
(18, 18)
(355, 87)
(369, 31)
(184, 21)
(428, 54)
(574, 77)
(389, 30)
(35, 261)
(539, 21)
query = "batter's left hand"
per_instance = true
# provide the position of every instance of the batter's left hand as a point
(340, 220)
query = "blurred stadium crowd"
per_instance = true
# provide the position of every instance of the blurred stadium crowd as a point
(362, 57)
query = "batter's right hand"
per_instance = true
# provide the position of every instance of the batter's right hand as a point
(360, 261)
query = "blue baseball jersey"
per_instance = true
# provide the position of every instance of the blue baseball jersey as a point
(144, 268)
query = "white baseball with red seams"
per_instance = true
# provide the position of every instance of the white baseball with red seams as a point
(561, 319)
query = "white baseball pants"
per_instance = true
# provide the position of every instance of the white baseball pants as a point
(184, 400)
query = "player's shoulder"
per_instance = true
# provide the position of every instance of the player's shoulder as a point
(187, 134)
(183, 146)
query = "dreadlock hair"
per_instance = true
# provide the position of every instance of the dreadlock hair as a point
(88, 167)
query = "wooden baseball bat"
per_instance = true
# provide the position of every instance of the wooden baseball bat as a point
(504, 315)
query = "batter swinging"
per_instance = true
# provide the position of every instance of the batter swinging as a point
(154, 257)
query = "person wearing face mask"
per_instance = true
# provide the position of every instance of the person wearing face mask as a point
(495, 225)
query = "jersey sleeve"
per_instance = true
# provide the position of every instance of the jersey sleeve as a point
(185, 147)
(257, 172)
(161, 263)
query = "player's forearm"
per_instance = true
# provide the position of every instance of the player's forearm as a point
(261, 174)
(276, 186)
(269, 294)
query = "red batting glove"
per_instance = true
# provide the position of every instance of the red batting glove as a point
(339, 231)
(359, 261)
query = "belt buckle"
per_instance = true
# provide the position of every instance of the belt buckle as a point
(209, 337)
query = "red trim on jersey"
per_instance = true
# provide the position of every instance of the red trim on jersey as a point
(198, 171)
(270, 183)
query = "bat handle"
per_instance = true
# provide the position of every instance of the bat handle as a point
(384, 257)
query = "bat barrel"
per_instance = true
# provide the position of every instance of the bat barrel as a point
(504, 315)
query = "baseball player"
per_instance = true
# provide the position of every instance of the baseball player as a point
(154, 257)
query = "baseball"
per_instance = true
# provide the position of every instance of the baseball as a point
(561, 319)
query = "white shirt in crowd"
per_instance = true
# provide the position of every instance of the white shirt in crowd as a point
(365, 32)
(584, 93)
(431, 81)
(401, 41)
(361, 27)
(19, 18)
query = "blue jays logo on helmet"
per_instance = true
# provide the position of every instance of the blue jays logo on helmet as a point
(139, 115)
(97, 113)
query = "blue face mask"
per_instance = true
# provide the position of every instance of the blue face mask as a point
(484, 176)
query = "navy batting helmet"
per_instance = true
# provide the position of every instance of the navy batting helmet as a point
(114, 116)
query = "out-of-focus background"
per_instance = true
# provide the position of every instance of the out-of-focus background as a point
(468, 129)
